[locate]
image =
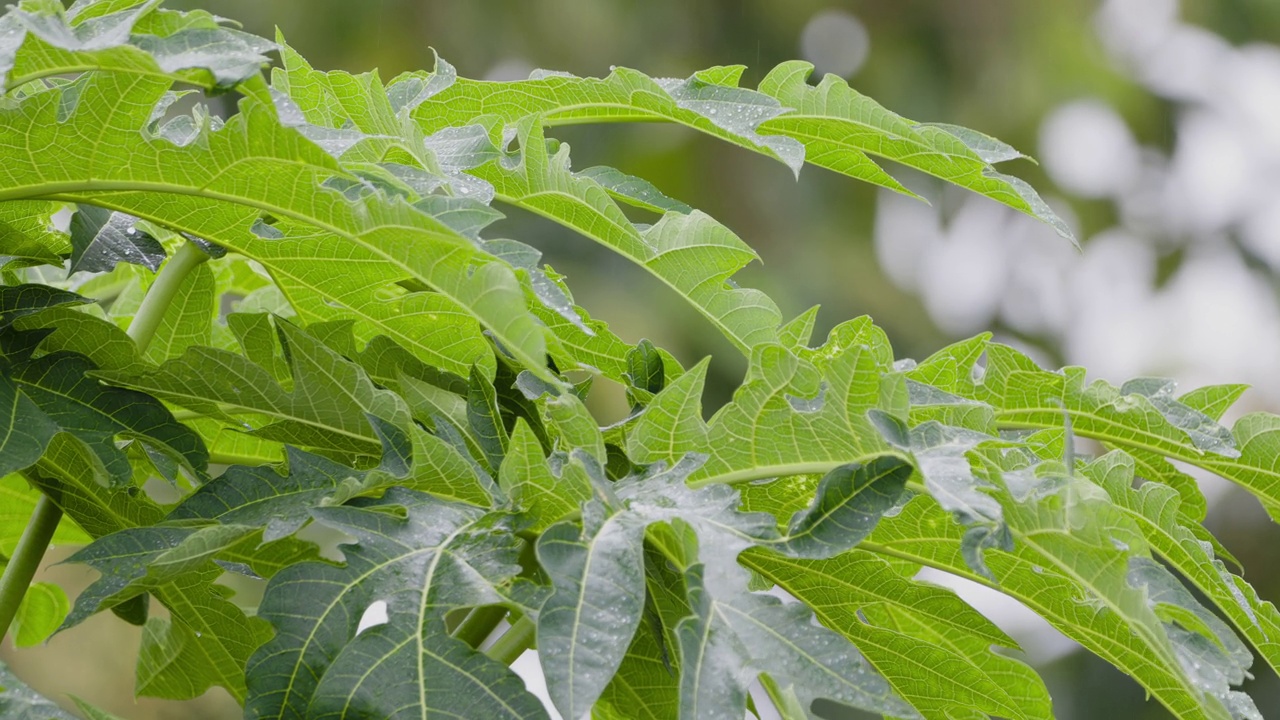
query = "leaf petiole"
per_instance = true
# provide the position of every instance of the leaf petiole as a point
(162, 291)
(508, 648)
(26, 559)
(479, 625)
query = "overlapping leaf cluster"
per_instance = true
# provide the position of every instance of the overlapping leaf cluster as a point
(353, 396)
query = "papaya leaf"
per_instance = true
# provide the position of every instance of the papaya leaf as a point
(849, 502)
(101, 238)
(889, 617)
(1156, 509)
(50, 394)
(27, 235)
(586, 625)
(375, 227)
(839, 127)
(17, 501)
(731, 632)
(420, 557)
(17, 301)
(43, 609)
(324, 408)
(532, 483)
(791, 416)
(1059, 554)
(691, 253)
(1146, 418)
(43, 40)
(830, 126)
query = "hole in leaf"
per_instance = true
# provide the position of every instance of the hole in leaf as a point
(374, 615)
(329, 539)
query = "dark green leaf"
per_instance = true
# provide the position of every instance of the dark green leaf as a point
(732, 636)
(55, 393)
(101, 238)
(421, 557)
(850, 501)
(18, 301)
(584, 628)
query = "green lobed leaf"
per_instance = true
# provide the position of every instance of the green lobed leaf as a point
(850, 500)
(372, 226)
(27, 235)
(586, 625)
(831, 126)
(1075, 578)
(101, 238)
(730, 632)
(17, 501)
(431, 557)
(934, 649)
(50, 394)
(793, 415)
(1147, 418)
(691, 253)
(839, 127)
(18, 301)
(41, 40)
(1156, 510)
(324, 407)
(532, 483)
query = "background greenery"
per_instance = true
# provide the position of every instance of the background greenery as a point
(1006, 67)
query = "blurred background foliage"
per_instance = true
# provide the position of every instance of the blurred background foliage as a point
(1157, 123)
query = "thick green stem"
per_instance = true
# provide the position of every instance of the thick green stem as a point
(160, 296)
(508, 648)
(479, 624)
(26, 559)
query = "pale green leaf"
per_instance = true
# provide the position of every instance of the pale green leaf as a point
(1076, 579)
(402, 241)
(1156, 509)
(127, 37)
(732, 632)
(27, 235)
(831, 126)
(533, 485)
(691, 253)
(43, 608)
(17, 501)
(935, 650)
(791, 416)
